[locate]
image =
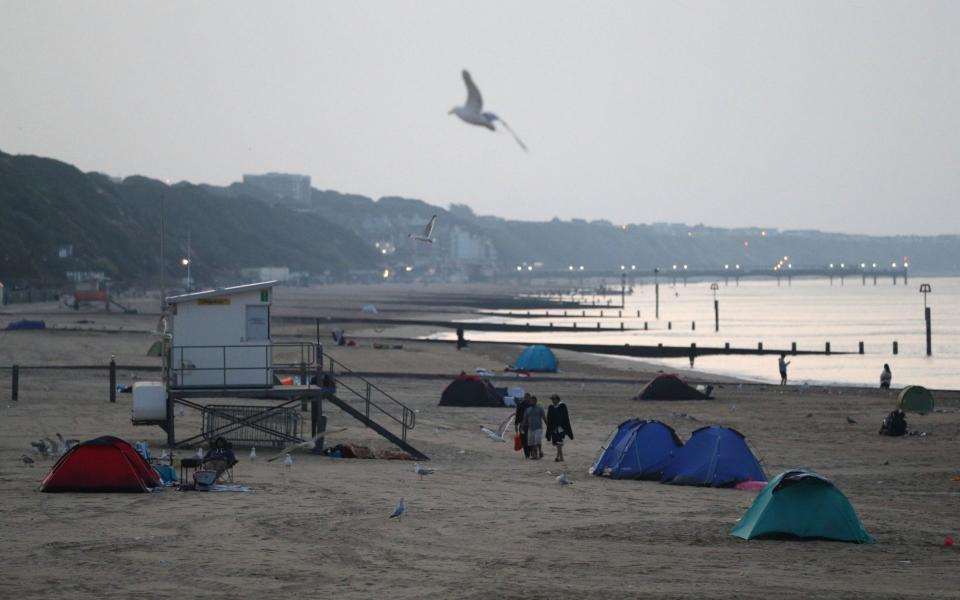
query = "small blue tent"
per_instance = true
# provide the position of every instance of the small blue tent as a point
(537, 358)
(25, 324)
(639, 449)
(716, 457)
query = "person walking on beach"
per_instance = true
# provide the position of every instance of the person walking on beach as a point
(783, 362)
(558, 425)
(518, 425)
(886, 376)
(533, 420)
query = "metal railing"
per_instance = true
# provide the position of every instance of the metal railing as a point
(407, 419)
(219, 369)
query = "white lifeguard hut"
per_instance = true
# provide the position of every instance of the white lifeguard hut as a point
(221, 338)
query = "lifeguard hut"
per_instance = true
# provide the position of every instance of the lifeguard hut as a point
(219, 345)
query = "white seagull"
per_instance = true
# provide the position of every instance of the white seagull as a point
(421, 471)
(472, 110)
(288, 461)
(400, 509)
(499, 435)
(253, 454)
(427, 232)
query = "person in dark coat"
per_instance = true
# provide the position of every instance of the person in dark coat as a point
(219, 457)
(558, 425)
(522, 405)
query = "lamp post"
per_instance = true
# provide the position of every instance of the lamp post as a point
(163, 282)
(925, 289)
(716, 306)
(656, 292)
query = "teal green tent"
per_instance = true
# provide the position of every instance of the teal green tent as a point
(915, 398)
(803, 505)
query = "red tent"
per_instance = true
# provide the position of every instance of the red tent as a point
(105, 464)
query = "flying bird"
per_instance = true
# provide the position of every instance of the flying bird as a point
(472, 110)
(427, 232)
(500, 433)
(400, 509)
(421, 471)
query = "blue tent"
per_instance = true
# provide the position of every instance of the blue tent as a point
(537, 358)
(639, 449)
(716, 457)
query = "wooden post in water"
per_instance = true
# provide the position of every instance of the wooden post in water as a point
(828, 348)
(793, 348)
(716, 315)
(598, 324)
(726, 345)
(896, 347)
(860, 349)
(693, 325)
(669, 324)
(621, 325)
(113, 380)
(645, 326)
(926, 314)
(760, 346)
(15, 383)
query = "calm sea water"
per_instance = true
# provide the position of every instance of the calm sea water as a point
(809, 312)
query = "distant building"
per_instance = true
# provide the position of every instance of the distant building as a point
(294, 189)
(469, 248)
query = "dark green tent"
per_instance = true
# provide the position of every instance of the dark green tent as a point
(801, 504)
(915, 398)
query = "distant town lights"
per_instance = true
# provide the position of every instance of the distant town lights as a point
(736, 266)
(684, 267)
(894, 265)
(408, 268)
(529, 267)
(633, 267)
(386, 273)
(674, 267)
(623, 267)
(519, 268)
(726, 266)
(185, 261)
(571, 267)
(581, 267)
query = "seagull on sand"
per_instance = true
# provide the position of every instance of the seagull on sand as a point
(400, 509)
(427, 232)
(563, 480)
(253, 454)
(472, 110)
(27, 460)
(851, 421)
(288, 461)
(421, 471)
(500, 433)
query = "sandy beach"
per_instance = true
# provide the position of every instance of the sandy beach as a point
(487, 523)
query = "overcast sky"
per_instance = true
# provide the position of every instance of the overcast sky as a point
(842, 116)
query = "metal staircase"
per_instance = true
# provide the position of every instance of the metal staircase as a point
(358, 403)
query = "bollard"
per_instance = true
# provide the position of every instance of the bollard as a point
(896, 347)
(793, 348)
(760, 346)
(113, 380)
(828, 347)
(861, 347)
(15, 383)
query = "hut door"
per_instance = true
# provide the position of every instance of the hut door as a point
(258, 322)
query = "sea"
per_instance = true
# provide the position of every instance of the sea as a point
(808, 312)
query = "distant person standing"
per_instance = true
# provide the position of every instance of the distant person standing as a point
(886, 376)
(534, 420)
(461, 341)
(693, 355)
(558, 425)
(518, 425)
(782, 363)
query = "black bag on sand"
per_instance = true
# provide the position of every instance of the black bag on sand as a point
(894, 424)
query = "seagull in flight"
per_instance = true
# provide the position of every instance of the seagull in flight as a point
(472, 110)
(500, 434)
(427, 232)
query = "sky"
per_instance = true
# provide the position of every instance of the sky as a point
(840, 116)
